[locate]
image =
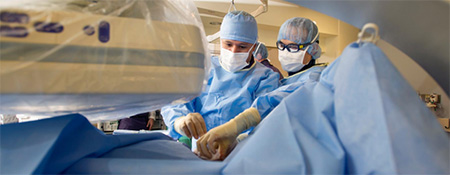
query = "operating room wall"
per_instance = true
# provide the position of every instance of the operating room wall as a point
(273, 59)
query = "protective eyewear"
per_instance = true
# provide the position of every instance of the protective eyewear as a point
(291, 47)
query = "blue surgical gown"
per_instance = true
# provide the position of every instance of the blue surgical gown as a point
(226, 95)
(267, 102)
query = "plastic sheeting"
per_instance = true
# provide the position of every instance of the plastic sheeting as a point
(103, 59)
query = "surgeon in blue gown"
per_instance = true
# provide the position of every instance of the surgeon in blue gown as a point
(234, 82)
(298, 49)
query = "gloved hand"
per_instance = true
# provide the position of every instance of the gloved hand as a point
(191, 125)
(221, 140)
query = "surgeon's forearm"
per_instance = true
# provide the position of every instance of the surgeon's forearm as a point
(247, 119)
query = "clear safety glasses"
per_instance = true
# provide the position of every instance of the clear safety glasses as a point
(291, 47)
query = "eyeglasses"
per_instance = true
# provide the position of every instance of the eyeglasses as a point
(291, 47)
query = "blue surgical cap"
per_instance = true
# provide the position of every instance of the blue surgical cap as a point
(301, 31)
(261, 52)
(239, 26)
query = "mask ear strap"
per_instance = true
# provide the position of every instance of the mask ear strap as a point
(315, 38)
(253, 45)
(307, 48)
(257, 47)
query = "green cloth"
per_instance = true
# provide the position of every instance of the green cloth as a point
(186, 140)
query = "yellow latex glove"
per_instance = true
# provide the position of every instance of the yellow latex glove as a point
(191, 125)
(221, 140)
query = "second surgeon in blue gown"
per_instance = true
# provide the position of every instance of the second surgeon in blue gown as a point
(234, 82)
(298, 48)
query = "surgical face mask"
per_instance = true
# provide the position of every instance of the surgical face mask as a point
(292, 62)
(231, 61)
